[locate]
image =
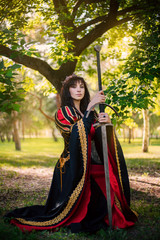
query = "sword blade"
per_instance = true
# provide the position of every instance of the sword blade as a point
(106, 170)
(104, 142)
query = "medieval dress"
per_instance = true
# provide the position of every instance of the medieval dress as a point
(77, 197)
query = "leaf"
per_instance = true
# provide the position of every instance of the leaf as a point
(16, 107)
(15, 66)
(2, 64)
(9, 73)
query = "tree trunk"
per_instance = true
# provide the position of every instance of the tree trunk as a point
(124, 134)
(133, 133)
(23, 127)
(145, 143)
(54, 135)
(58, 100)
(130, 135)
(16, 132)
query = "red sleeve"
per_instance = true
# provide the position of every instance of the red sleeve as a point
(65, 118)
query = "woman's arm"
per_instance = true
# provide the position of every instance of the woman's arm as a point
(99, 98)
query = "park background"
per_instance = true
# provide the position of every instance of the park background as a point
(42, 42)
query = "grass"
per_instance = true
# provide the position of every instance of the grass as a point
(42, 154)
(140, 162)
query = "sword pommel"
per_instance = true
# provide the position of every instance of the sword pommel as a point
(97, 48)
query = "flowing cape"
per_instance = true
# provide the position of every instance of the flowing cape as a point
(77, 195)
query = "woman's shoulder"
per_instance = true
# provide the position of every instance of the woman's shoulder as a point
(69, 110)
(66, 115)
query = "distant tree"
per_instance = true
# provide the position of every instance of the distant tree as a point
(11, 91)
(11, 94)
(5, 127)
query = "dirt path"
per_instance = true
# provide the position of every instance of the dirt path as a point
(147, 184)
(22, 183)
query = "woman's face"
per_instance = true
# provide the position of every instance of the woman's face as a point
(77, 91)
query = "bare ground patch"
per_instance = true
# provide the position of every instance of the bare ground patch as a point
(18, 184)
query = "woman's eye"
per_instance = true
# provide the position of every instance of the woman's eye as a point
(81, 86)
(73, 86)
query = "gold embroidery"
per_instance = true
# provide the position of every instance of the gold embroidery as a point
(70, 116)
(118, 204)
(67, 115)
(117, 158)
(62, 162)
(62, 127)
(78, 189)
(135, 212)
(119, 172)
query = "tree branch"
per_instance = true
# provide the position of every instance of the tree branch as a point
(64, 17)
(89, 23)
(31, 62)
(40, 108)
(128, 10)
(143, 6)
(76, 8)
(112, 14)
(63, 13)
(97, 32)
(114, 5)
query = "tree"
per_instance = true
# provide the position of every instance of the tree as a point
(134, 83)
(69, 27)
(143, 66)
(11, 93)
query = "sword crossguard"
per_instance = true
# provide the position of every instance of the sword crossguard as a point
(104, 104)
(102, 124)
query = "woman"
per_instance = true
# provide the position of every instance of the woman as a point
(77, 196)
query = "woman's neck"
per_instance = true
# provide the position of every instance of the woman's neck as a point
(77, 106)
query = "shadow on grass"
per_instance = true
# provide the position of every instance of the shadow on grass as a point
(147, 207)
(147, 227)
(141, 165)
(29, 161)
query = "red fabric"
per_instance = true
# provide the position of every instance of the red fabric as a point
(118, 218)
(62, 119)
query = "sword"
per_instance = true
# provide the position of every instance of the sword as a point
(104, 139)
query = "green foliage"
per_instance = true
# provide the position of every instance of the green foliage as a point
(125, 97)
(11, 92)
(16, 12)
(143, 63)
(16, 41)
(134, 83)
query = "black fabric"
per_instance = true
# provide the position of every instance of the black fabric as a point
(58, 198)
(97, 210)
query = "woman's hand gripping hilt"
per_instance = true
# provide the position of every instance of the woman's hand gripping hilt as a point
(99, 124)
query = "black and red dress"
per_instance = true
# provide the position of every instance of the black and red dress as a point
(77, 196)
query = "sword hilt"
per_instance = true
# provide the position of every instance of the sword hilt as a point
(97, 48)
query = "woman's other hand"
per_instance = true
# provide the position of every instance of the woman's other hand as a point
(98, 98)
(104, 118)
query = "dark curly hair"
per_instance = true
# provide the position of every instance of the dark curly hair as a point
(66, 99)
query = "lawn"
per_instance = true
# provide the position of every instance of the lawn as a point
(26, 175)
